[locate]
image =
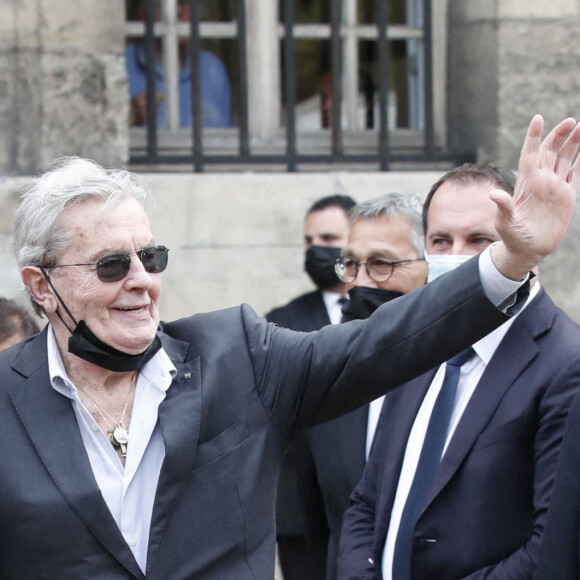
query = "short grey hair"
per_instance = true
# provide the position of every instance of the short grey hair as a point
(40, 236)
(392, 204)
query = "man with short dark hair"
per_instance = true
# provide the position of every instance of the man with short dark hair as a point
(302, 531)
(325, 232)
(475, 506)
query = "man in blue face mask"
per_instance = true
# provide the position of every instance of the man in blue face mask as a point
(459, 221)
(302, 531)
(473, 505)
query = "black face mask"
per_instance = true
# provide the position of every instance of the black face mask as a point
(86, 345)
(363, 301)
(319, 265)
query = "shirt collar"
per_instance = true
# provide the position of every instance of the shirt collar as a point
(158, 371)
(331, 298)
(486, 347)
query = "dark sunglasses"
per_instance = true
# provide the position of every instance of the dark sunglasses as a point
(115, 267)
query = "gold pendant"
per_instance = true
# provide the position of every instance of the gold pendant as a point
(119, 437)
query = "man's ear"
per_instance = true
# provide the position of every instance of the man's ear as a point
(39, 288)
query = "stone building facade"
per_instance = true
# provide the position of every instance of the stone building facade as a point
(237, 236)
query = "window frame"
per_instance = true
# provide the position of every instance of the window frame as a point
(260, 131)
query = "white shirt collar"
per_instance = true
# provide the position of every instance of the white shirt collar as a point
(159, 370)
(331, 297)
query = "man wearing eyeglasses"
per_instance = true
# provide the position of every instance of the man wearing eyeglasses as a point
(479, 512)
(135, 450)
(382, 260)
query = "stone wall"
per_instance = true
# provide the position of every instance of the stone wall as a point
(238, 237)
(507, 61)
(63, 84)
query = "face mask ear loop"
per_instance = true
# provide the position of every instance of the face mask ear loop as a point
(69, 313)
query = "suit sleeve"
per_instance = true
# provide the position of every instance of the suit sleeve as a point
(559, 555)
(308, 379)
(552, 414)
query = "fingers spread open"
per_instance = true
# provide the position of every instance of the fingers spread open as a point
(533, 135)
(552, 146)
(565, 166)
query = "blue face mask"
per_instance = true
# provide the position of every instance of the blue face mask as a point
(443, 263)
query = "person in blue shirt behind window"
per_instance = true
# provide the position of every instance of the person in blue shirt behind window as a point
(215, 85)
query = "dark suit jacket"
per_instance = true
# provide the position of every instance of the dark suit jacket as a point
(560, 550)
(305, 313)
(299, 506)
(338, 448)
(243, 387)
(487, 506)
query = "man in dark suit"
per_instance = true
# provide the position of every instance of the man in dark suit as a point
(560, 549)
(382, 260)
(132, 449)
(301, 527)
(483, 512)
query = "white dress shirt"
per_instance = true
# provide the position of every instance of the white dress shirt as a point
(497, 289)
(375, 408)
(333, 303)
(128, 491)
(469, 377)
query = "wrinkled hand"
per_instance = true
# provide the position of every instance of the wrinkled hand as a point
(533, 222)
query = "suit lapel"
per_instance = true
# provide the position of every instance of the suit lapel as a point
(512, 356)
(352, 434)
(319, 313)
(403, 404)
(180, 421)
(40, 408)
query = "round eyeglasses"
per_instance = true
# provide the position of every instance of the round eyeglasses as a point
(378, 269)
(115, 267)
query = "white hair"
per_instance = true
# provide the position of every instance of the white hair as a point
(392, 204)
(40, 236)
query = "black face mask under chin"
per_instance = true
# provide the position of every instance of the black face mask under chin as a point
(84, 344)
(319, 265)
(363, 301)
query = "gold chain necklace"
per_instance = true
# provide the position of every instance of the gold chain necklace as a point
(117, 432)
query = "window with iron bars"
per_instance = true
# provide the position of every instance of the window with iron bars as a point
(227, 83)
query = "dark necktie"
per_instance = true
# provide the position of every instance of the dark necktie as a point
(343, 300)
(429, 459)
